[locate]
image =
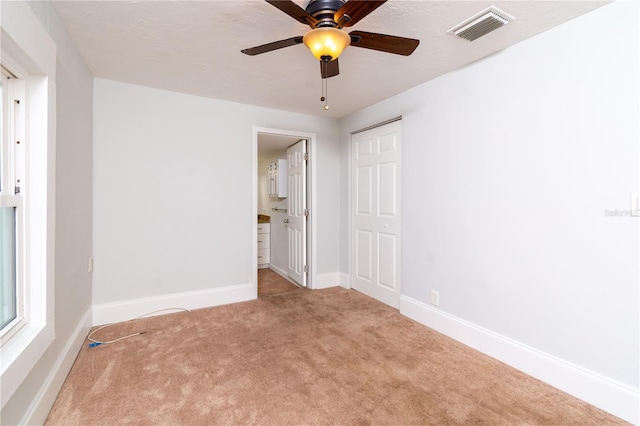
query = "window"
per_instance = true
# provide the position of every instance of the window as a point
(13, 312)
(27, 205)
(8, 285)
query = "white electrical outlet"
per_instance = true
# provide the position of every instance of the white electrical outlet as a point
(435, 298)
(90, 264)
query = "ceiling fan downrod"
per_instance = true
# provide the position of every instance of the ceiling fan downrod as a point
(324, 11)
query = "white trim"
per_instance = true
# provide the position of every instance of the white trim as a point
(311, 198)
(331, 279)
(254, 210)
(14, 117)
(280, 272)
(345, 280)
(123, 311)
(283, 274)
(609, 395)
(41, 405)
(326, 280)
(21, 355)
(27, 42)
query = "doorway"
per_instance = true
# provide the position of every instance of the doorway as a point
(285, 244)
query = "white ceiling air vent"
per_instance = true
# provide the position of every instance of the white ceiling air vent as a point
(481, 24)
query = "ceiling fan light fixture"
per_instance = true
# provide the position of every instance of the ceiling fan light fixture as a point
(326, 41)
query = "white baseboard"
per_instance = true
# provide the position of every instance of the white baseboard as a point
(326, 280)
(606, 394)
(279, 271)
(283, 274)
(344, 280)
(330, 279)
(123, 311)
(41, 405)
(323, 281)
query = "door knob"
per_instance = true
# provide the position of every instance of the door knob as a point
(285, 220)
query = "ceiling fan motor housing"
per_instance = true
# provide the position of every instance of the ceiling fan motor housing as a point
(324, 11)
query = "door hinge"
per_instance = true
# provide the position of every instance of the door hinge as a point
(306, 213)
(17, 190)
(306, 156)
(306, 268)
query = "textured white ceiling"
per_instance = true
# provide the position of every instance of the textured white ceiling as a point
(194, 47)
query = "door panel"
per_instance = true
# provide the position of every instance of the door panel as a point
(364, 245)
(388, 143)
(297, 203)
(364, 190)
(387, 189)
(364, 148)
(376, 212)
(387, 263)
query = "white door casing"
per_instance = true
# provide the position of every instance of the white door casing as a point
(375, 212)
(297, 208)
(312, 252)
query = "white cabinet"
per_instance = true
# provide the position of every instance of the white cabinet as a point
(278, 178)
(264, 244)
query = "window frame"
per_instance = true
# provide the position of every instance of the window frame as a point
(12, 177)
(27, 46)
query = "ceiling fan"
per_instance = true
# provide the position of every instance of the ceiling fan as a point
(326, 40)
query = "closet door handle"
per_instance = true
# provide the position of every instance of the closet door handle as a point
(285, 220)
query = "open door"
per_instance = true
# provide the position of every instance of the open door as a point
(292, 246)
(298, 212)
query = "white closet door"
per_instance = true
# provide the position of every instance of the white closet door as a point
(375, 213)
(297, 228)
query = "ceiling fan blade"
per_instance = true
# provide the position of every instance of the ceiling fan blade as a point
(272, 46)
(329, 69)
(384, 43)
(295, 11)
(355, 10)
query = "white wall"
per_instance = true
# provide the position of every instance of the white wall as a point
(508, 167)
(173, 191)
(73, 123)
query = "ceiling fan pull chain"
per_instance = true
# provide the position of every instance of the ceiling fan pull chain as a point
(325, 84)
(322, 80)
(326, 95)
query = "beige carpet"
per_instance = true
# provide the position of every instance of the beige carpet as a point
(327, 357)
(270, 283)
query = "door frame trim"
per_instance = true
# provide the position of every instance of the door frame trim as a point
(312, 253)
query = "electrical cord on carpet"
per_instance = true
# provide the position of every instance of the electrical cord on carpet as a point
(95, 343)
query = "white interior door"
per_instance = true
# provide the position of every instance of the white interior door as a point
(375, 213)
(297, 212)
